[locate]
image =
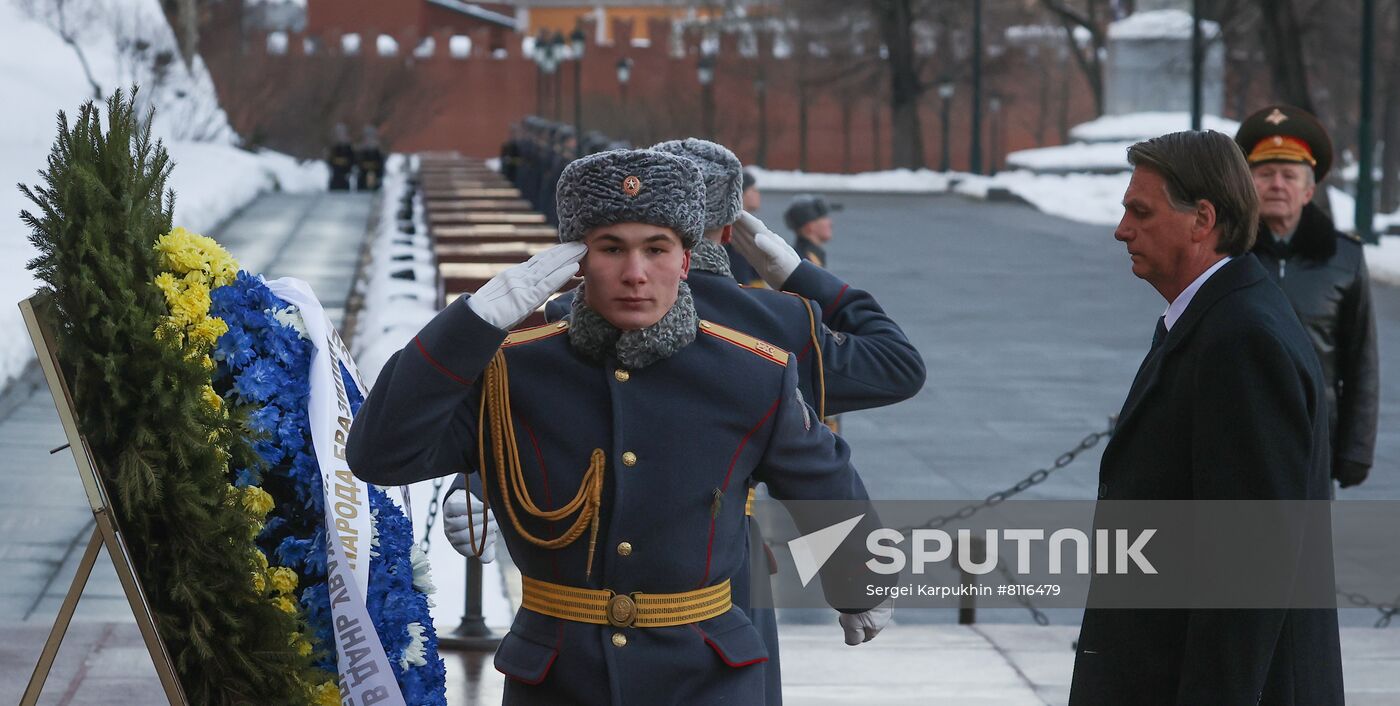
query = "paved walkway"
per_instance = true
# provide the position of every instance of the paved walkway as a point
(44, 517)
(1032, 328)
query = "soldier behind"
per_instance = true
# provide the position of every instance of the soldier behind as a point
(809, 217)
(1323, 272)
(619, 410)
(744, 273)
(850, 354)
(341, 159)
(370, 161)
(510, 153)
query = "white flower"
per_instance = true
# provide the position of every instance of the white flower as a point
(416, 650)
(422, 573)
(291, 316)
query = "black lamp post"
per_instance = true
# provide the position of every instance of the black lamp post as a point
(976, 158)
(540, 54)
(624, 74)
(557, 51)
(994, 104)
(706, 73)
(580, 43)
(945, 92)
(760, 87)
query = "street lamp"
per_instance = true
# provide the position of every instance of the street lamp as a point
(540, 53)
(624, 74)
(976, 158)
(945, 91)
(705, 71)
(580, 43)
(994, 104)
(556, 46)
(760, 87)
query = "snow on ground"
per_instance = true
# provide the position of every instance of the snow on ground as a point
(1074, 157)
(40, 75)
(394, 311)
(896, 180)
(1088, 198)
(1132, 127)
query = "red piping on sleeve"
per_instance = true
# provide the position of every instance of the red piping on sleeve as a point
(440, 367)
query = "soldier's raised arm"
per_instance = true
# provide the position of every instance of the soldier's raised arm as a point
(415, 423)
(867, 361)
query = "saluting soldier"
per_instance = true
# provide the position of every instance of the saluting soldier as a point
(809, 218)
(851, 355)
(744, 273)
(1323, 272)
(622, 464)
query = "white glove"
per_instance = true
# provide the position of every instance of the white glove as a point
(459, 532)
(863, 627)
(774, 259)
(514, 294)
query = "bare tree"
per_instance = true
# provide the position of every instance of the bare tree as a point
(72, 21)
(1093, 18)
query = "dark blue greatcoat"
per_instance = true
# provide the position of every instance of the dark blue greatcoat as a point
(692, 438)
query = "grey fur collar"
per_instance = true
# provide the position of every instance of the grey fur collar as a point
(710, 256)
(595, 338)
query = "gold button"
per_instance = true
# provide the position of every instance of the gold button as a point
(619, 640)
(622, 375)
(561, 324)
(629, 459)
(625, 549)
(704, 324)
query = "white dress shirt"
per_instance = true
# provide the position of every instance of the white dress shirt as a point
(1183, 300)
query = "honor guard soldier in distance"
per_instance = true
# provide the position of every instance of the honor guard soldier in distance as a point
(1323, 272)
(809, 218)
(622, 463)
(850, 354)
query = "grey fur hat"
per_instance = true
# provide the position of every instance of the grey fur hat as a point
(724, 178)
(631, 186)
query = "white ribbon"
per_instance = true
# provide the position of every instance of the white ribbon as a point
(365, 674)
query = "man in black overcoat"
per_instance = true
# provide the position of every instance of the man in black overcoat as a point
(1229, 404)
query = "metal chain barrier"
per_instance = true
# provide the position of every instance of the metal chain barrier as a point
(1387, 610)
(1025, 601)
(1035, 478)
(432, 516)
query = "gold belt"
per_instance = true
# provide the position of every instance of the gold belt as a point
(641, 610)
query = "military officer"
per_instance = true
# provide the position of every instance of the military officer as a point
(1323, 272)
(341, 159)
(369, 161)
(625, 511)
(809, 218)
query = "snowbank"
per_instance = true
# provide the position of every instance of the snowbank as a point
(1076, 157)
(40, 75)
(1133, 127)
(896, 180)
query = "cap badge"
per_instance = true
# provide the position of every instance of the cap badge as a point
(631, 186)
(1276, 118)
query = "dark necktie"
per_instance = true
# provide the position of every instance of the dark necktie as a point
(1160, 334)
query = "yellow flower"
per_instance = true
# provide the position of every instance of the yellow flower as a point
(287, 605)
(261, 560)
(206, 333)
(300, 644)
(327, 694)
(183, 252)
(212, 399)
(259, 585)
(257, 501)
(284, 580)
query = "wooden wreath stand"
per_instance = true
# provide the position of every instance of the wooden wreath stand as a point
(38, 319)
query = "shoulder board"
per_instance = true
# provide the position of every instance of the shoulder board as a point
(535, 333)
(758, 347)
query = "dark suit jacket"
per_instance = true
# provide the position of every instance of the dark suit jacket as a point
(1232, 405)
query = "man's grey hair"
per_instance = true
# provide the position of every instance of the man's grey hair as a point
(1206, 166)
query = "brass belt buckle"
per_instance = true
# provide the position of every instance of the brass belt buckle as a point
(622, 611)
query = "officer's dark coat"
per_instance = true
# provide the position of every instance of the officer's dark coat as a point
(866, 359)
(691, 436)
(1230, 406)
(1324, 275)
